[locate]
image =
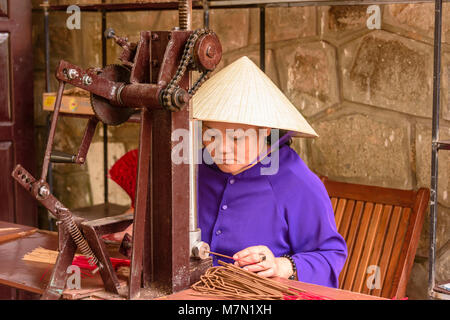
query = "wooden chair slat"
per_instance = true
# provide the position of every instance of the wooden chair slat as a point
(350, 239)
(387, 250)
(358, 246)
(369, 243)
(339, 212)
(334, 202)
(380, 239)
(347, 219)
(398, 244)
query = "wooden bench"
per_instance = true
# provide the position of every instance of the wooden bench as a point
(382, 229)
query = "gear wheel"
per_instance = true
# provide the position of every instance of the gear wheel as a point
(104, 111)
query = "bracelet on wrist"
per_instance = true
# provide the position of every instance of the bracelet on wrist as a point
(294, 268)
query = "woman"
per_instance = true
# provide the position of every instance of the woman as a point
(285, 217)
(275, 222)
(257, 200)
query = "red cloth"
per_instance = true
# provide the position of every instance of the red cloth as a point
(124, 172)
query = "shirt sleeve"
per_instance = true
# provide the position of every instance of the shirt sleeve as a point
(318, 250)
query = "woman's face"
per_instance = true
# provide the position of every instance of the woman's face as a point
(233, 146)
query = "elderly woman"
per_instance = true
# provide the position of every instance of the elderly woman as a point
(257, 200)
(273, 217)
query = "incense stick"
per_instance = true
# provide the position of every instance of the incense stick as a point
(263, 257)
(220, 255)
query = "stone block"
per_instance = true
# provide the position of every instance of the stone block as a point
(308, 76)
(417, 20)
(363, 148)
(442, 234)
(445, 98)
(339, 23)
(388, 71)
(443, 265)
(423, 162)
(290, 23)
(231, 26)
(418, 282)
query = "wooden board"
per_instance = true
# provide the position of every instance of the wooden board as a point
(70, 104)
(10, 231)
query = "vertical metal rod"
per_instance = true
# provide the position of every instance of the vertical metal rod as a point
(48, 89)
(435, 139)
(51, 134)
(205, 14)
(47, 46)
(262, 38)
(105, 126)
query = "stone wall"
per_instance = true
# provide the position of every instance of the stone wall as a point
(368, 94)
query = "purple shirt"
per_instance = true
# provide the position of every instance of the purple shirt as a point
(290, 212)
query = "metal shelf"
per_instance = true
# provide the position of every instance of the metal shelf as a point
(223, 4)
(443, 145)
(123, 7)
(440, 293)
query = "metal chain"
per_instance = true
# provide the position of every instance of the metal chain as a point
(186, 60)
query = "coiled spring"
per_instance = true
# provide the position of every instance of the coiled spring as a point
(69, 224)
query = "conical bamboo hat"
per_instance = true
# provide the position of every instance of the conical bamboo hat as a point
(242, 93)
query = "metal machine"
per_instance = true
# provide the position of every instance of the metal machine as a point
(154, 80)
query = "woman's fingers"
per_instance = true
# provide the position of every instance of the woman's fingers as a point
(251, 259)
(256, 267)
(267, 273)
(251, 255)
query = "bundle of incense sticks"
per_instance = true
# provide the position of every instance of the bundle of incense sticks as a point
(230, 281)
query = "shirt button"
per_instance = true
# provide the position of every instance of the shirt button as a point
(218, 232)
(224, 207)
(232, 181)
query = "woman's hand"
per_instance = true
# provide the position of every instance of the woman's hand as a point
(118, 236)
(260, 259)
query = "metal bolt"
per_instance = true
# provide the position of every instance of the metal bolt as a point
(109, 33)
(201, 250)
(87, 80)
(72, 74)
(155, 36)
(210, 52)
(44, 192)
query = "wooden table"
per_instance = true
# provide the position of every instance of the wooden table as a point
(34, 276)
(331, 293)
